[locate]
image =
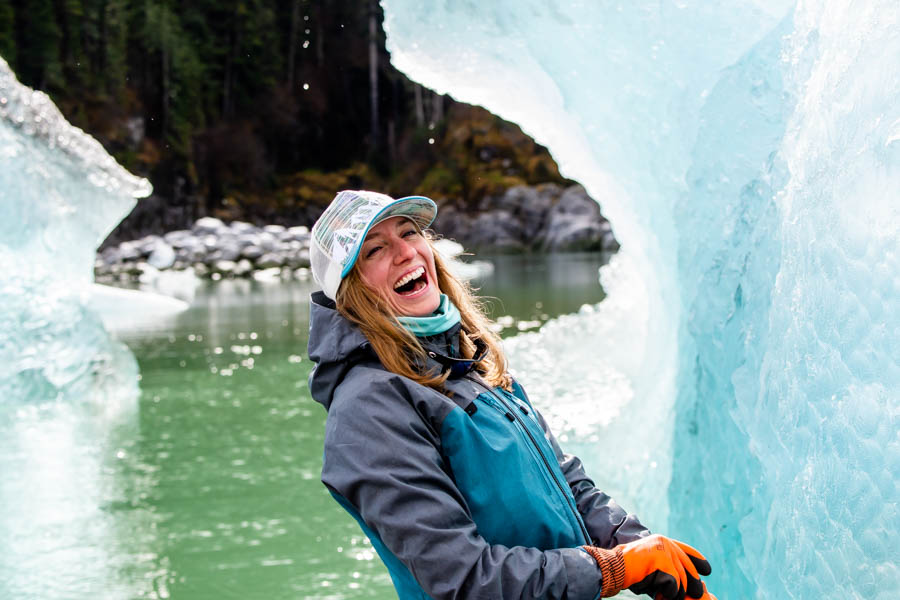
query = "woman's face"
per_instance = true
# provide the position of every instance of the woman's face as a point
(396, 261)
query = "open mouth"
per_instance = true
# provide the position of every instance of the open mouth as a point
(412, 282)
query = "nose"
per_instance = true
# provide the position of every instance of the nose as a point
(405, 251)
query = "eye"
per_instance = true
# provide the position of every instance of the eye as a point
(370, 252)
(409, 232)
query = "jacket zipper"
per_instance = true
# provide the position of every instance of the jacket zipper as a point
(515, 415)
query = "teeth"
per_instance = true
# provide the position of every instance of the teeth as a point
(414, 275)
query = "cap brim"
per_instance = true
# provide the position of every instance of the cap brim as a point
(419, 209)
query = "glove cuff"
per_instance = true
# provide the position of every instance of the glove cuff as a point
(612, 566)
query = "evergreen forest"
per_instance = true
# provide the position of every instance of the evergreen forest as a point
(257, 109)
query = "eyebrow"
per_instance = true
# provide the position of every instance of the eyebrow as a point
(374, 236)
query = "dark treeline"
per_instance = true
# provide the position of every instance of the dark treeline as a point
(257, 109)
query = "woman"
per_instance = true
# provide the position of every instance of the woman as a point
(436, 450)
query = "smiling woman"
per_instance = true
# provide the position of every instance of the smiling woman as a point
(434, 448)
(397, 261)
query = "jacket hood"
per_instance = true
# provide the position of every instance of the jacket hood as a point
(336, 345)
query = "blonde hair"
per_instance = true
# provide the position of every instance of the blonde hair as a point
(399, 350)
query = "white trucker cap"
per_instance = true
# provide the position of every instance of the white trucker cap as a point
(341, 230)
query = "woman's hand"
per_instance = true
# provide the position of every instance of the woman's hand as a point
(660, 567)
(706, 595)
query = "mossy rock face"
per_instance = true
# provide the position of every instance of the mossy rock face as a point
(492, 182)
(466, 160)
(480, 154)
(541, 168)
(312, 187)
(440, 182)
(299, 198)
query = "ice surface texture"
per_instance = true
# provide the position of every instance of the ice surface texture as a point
(68, 392)
(60, 195)
(744, 374)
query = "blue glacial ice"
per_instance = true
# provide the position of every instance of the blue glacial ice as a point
(60, 195)
(740, 387)
(68, 391)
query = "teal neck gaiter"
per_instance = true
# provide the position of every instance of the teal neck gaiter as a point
(445, 317)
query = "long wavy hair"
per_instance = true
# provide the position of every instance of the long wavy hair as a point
(399, 350)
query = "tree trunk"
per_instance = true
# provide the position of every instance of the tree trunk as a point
(437, 108)
(392, 142)
(320, 36)
(102, 61)
(229, 68)
(420, 106)
(164, 53)
(373, 75)
(65, 42)
(292, 42)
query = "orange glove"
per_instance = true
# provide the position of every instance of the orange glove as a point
(706, 595)
(656, 565)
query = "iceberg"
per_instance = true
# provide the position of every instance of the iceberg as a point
(740, 386)
(60, 196)
(68, 391)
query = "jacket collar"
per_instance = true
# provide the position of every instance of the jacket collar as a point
(336, 345)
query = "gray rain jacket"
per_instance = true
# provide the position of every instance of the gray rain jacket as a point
(463, 495)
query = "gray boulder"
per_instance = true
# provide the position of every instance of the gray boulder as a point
(111, 255)
(162, 256)
(546, 217)
(147, 244)
(191, 254)
(297, 258)
(225, 267)
(270, 260)
(299, 233)
(243, 268)
(268, 241)
(252, 252)
(210, 242)
(180, 238)
(240, 227)
(453, 224)
(129, 251)
(497, 229)
(531, 206)
(228, 252)
(574, 223)
(207, 226)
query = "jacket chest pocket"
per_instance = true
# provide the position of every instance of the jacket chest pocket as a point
(504, 476)
(522, 430)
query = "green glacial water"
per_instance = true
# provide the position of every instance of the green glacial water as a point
(208, 487)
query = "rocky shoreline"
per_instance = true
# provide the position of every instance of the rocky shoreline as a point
(543, 218)
(213, 250)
